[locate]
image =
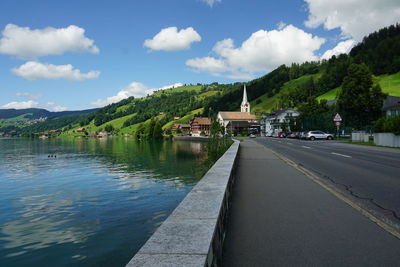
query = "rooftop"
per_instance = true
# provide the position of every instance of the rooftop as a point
(226, 115)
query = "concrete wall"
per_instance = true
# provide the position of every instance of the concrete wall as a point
(191, 138)
(359, 137)
(194, 233)
(387, 139)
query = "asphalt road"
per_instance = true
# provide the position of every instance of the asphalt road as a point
(280, 217)
(369, 174)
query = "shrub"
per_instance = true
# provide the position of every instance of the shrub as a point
(378, 126)
(388, 125)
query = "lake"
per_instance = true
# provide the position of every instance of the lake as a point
(89, 202)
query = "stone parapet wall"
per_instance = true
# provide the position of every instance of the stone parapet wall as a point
(194, 233)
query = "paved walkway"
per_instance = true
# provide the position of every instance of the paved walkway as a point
(279, 217)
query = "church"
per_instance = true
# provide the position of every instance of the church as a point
(235, 122)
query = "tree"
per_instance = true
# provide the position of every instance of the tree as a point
(139, 131)
(358, 102)
(157, 130)
(148, 132)
(109, 128)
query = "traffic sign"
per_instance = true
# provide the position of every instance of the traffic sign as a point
(337, 117)
(337, 123)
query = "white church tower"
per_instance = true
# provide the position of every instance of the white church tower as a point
(245, 106)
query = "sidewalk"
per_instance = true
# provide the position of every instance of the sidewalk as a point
(279, 217)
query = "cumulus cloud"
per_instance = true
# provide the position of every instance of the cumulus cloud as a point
(209, 64)
(135, 89)
(21, 104)
(33, 70)
(355, 18)
(170, 39)
(261, 52)
(29, 95)
(210, 2)
(26, 43)
(33, 104)
(59, 108)
(341, 48)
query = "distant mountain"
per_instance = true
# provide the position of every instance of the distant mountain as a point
(36, 113)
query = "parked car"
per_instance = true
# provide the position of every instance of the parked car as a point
(282, 135)
(294, 135)
(312, 135)
(252, 136)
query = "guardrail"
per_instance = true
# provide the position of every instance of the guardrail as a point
(194, 233)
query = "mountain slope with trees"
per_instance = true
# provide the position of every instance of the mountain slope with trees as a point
(304, 86)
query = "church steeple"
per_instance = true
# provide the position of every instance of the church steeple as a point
(245, 106)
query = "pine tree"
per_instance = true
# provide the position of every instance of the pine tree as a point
(358, 102)
(157, 130)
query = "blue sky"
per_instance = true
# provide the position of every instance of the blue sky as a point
(82, 54)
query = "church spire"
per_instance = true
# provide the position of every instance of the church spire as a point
(244, 95)
(245, 106)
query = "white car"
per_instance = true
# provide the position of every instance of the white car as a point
(312, 135)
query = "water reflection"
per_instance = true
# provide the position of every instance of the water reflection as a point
(96, 203)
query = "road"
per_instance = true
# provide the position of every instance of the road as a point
(369, 174)
(280, 217)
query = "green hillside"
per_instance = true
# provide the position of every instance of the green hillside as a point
(19, 118)
(330, 95)
(286, 86)
(265, 104)
(390, 84)
(184, 119)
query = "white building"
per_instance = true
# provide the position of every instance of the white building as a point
(237, 121)
(271, 123)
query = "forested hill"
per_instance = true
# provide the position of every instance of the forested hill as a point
(36, 113)
(296, 86)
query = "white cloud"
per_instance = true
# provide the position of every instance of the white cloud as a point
(355, 18)
(22, 104)
(170, 39)
(33, 104)
(29, 95)
(263, 51)
(135, 89)
(211, 2)
(26, 43)
(209, 64)
(175, 85)
(341, 48)
(33, 70)
(59, 108)
(281, 25)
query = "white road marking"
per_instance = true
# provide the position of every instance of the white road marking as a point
(306, 147)
(279, 142)
(289, 143)
(346, 156)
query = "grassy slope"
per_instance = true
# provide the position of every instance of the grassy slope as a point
(269, 103)
(184, 119)
(196, 88)
(117, 124)
(131, 129)
(15, 119)
(330, 95)
(390, 85)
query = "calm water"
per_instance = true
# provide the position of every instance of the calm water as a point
(95, 204)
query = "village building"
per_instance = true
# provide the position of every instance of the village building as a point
(234, 122)
(200, 126)
(391, 106)
(80, 130)
(272, 123)
(183, 127)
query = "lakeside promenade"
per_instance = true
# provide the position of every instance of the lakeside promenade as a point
(280, 217)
